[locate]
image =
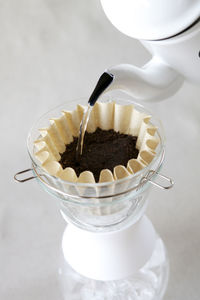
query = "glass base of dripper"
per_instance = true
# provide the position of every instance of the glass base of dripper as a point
(148, 283)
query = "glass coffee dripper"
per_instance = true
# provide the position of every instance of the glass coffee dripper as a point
(111, 248)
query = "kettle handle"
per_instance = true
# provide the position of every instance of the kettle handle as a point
(154, 81)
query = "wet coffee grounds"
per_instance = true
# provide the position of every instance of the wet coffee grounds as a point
(102, 149)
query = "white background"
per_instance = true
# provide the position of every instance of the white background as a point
(52, 51)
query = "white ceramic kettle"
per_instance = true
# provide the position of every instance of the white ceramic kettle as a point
(170, 30)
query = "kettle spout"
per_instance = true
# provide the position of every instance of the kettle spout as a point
(154, 81)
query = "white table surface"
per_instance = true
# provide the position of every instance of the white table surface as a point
(52, 51)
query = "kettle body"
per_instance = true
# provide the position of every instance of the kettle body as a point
(172, 36)
(181, 52)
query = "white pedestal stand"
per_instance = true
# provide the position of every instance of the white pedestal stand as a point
(130, 263)
(111, 255)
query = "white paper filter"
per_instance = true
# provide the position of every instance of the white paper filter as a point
(122, 118)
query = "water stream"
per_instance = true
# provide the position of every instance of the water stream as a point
(104, 81)
(82, 130)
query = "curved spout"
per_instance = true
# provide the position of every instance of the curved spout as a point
(154, 81)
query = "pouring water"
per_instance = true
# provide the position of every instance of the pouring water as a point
(102, 84)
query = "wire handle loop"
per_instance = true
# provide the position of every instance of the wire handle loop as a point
(149, 177)
(25, 179)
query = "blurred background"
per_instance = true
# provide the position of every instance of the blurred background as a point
(52, 51)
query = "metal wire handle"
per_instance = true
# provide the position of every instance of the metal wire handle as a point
(147, 178)
(151, 174)
(25, 179)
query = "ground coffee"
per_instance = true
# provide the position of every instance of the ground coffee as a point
(102, 149)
